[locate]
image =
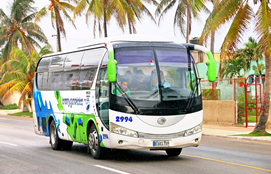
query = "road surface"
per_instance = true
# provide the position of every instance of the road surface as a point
(22, 151)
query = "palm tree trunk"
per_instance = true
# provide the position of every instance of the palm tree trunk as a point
(213, 42)
(129, 24)
(188, 24)
(267, 85)
(104, 8)
(58, 49)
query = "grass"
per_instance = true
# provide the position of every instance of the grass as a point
(10, 107)
(254, 134)
(28, 114)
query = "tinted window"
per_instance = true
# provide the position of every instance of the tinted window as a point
(73, 61)
(44, 65)
(89, 67)
(39, 80)
(57, 63)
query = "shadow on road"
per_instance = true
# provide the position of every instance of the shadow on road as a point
(128, 155)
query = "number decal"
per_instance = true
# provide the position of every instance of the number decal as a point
(122, 119)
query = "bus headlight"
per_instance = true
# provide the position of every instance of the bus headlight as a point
(123, 131)
(192, 131)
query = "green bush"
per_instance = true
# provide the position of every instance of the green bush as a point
(241, 108)
(10, 107)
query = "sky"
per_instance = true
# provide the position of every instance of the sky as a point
(83, 33)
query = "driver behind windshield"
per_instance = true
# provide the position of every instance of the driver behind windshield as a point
(164, 83)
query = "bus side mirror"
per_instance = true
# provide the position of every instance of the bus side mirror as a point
(211, 67)
(112, 70)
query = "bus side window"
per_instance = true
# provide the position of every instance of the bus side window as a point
(89, 67)
(71, 71)
(45, 81)
(55, 80)
(55, 73)
(42, 70)
(39, 80)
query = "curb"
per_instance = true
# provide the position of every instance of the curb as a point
(239, 137)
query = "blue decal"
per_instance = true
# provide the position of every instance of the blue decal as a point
(100, 138)
(105, 136)
(80, 121)
(153, 143)
(67, 120)
(42, 111)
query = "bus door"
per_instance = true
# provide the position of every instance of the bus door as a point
(102, 96)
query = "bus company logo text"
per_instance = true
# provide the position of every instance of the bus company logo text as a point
(72, 101)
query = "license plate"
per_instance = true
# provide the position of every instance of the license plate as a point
(161, 143)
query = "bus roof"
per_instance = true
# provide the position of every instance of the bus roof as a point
(126, 38)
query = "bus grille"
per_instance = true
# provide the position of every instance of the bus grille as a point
(160, 136)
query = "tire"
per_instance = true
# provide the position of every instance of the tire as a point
(56, 143)
(174, 152)
(93, 143)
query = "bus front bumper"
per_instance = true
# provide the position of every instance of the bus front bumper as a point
(124, 142)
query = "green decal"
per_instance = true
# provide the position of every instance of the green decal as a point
(211, 67)
(102, 144)
(111, 65)
(76, 122)
(77, 125)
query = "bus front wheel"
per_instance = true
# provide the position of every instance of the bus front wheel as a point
(93, 143)
(174, 152)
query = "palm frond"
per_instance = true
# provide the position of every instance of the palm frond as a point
(237, 29)
(263, 18)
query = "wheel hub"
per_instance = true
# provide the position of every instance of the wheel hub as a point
(93, 140)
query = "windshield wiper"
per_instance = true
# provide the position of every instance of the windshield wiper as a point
(191, 96)
(128, 99)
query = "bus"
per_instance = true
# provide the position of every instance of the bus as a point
(126, 92)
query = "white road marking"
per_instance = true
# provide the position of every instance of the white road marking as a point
(8, 143)
(2, 118)
(110, 169)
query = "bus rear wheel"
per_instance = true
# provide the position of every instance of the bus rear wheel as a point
(174, 152)
(56, 143)
(93, 143)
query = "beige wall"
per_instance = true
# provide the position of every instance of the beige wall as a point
(222, 112)
(219, 112)
(14, 98)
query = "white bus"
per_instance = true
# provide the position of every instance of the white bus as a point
(109, 94)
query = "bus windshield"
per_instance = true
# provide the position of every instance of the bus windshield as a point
(150, 77)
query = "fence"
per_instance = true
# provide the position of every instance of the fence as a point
(246, 92)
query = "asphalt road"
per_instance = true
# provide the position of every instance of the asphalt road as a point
(22, 151)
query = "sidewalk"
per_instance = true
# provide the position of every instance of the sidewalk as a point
(212, 130)
(227, 131)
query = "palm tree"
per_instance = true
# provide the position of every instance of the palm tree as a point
(213, 32)
(21, 76)
(136, 10)
(17, 30)
(56, 8)
(232, 67)
(102, 11)
(240, 14)
(185, 8)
